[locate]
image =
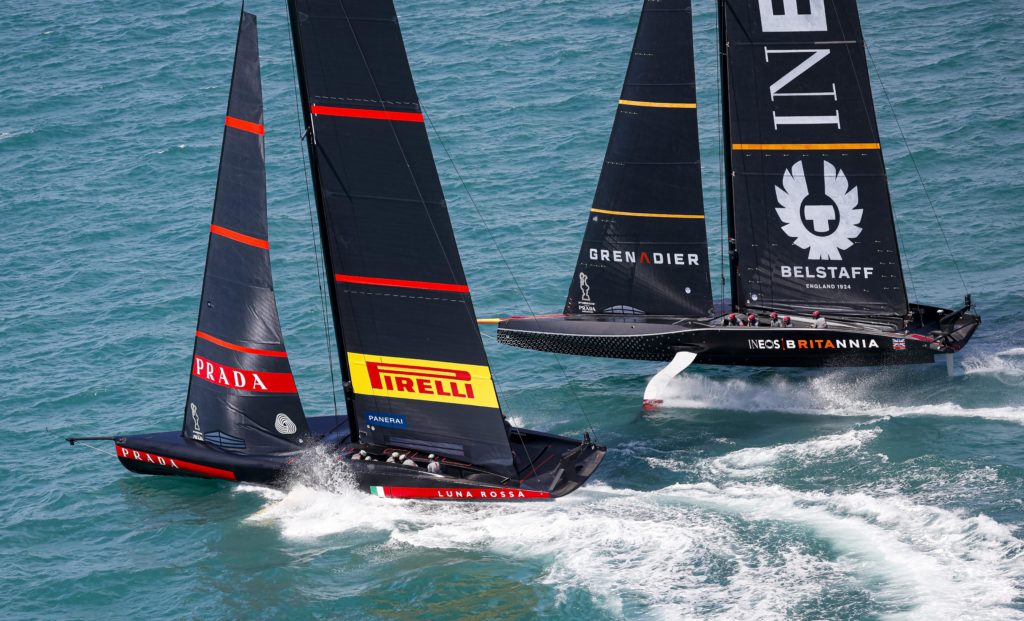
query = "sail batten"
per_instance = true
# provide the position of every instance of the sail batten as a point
(406, 328)
(644, 249)
(811, 222)
(242, 395)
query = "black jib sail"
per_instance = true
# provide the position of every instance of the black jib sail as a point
(645, 246)
(810, 215)
(241, 394)
(416, 375)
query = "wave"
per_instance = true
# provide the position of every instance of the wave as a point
(832, 394)
(713, 551)
(755, 461)
(1007, 365)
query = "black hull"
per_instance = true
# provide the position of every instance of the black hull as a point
(845, 343)
(550, 466)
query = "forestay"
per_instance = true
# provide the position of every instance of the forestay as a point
(415, 369)
(645, 245)
(241, 394)
(810, 213)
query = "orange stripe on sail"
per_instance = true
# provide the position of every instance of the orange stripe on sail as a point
(828, 146)
(239, 237)
(245, 126)
(246, 350)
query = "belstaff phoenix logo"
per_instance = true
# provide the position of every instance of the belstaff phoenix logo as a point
(833, 227)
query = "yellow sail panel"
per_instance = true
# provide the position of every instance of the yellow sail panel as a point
(422, 380)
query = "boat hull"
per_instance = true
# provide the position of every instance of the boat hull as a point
(570, 465)
(844, 344)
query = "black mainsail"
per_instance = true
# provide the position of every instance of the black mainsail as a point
(416, 375)
(811, 221)
(241, 394)
(645, 246)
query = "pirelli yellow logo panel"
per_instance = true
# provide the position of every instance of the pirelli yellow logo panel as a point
(423, 380)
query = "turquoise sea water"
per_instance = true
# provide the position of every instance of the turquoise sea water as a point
(758, 494)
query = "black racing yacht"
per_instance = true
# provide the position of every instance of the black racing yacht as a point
(416, 377)
(810, 223)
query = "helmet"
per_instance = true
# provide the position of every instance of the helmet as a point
(787, 319)
(403, 456)
(732, 315)
(395, 454)
(774, 315)
(431, 456)
(751, 317)
(816, 314)
(362, 452)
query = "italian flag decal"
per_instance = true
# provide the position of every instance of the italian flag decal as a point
(458, 493)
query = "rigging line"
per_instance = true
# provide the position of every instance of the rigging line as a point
(97, 449)
(313, 234)
(865, 99)
(920, 177)
(501, 255)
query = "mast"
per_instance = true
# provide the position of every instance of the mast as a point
(809, 201)
(416, 373)
(325, 246)
(723, 67)
(645, 249)
(242, 396)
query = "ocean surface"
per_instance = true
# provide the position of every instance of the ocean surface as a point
(756, 494)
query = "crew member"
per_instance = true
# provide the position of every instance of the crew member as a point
(407, 461)
(434, 467)
(393, 459)
(787, 322)
(730, 320)
(360, 455)
(776, 322)
(819, 321)
(752, 320)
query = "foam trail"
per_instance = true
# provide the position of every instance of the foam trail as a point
(688, 551)
(830, 394)
(1007, 366)
(755, 461)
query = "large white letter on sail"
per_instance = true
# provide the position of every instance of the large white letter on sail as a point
(790, 20)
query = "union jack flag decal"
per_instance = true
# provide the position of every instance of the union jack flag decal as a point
(899, 344)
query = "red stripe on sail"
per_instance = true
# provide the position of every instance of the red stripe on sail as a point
(362, 113)
(242, 379)
(239, 237)
(245, 126)
(124, 452)
(404, 284)
(246, 350)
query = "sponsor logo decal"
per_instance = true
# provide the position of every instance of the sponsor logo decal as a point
(899, 344)
(422, 380)
(789, 344)
(197, 433)
(284, 425)
(833, 227)
(394, 421)
(585, 304)
(175, 464)
(679, 259)
(242, 379)
(456, 493)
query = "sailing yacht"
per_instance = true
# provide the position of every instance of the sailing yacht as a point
(810, 223)
(415, 375)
